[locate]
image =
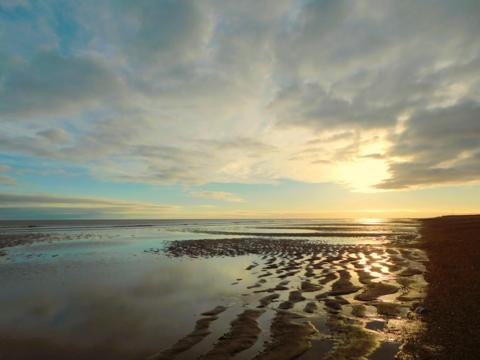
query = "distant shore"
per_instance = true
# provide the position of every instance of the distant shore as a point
(452, 304)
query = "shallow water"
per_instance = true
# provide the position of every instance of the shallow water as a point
(86, 289)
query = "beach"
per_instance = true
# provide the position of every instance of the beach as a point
(245, 180)
(452, 316)
(251, 289)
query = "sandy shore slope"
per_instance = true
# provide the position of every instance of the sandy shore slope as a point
(452, 244)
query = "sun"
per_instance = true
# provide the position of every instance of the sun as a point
(362, 175)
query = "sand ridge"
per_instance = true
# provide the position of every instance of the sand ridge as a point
(302, 280)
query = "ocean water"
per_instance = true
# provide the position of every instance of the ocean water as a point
(106, 289)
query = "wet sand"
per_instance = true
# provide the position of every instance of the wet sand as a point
(306, 280)
(249, 297)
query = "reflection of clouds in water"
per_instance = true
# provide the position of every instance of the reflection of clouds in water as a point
(105, 318)
(42, 308)
(207, 278)
(83, 318)
(20, 313)
(83, 326)
(104, 306)
(73, 246)
(168, 281)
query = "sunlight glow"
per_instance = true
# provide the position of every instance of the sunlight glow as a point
(362, 175)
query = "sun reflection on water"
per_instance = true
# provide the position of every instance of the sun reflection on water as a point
(370, 221)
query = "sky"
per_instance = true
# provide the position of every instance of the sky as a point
(239, 109)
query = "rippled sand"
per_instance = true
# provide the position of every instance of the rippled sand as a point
(345, 287)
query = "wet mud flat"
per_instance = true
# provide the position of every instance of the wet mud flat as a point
(325, 301)
(221, 291)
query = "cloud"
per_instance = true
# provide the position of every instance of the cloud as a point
(52, 84)
(196, 92)
(7, 180)
(218, 195)
(440, 146)
(8, 4)
(77, 205)
(166, 30)
(238, 143)
(119, 149)
(311, 106)
(417, 174)
(55, 135)
(359, 66)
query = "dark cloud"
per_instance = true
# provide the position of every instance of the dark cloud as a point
(167, 30)
(440, 146)
(308, 105)
(364, 64)
(51, 84)
(416, 174)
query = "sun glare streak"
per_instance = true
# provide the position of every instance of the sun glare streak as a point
(370, 221)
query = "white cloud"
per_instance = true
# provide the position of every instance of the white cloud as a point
(195, 92)
(218, 195)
